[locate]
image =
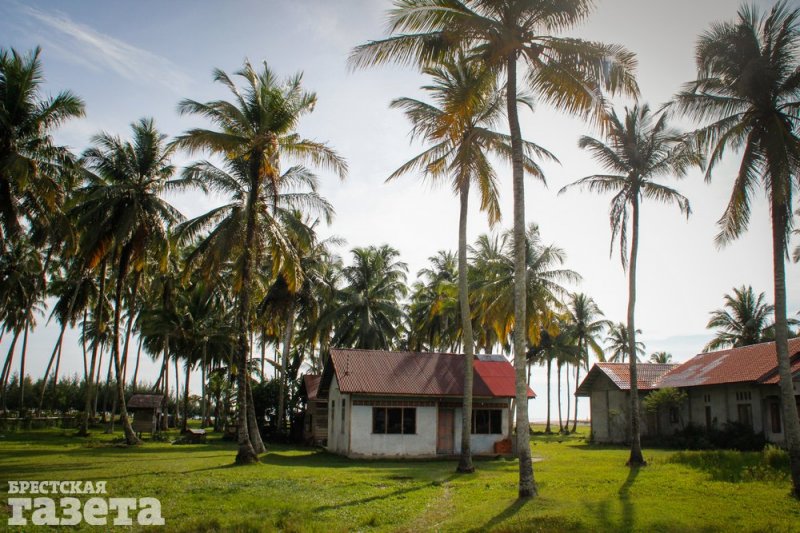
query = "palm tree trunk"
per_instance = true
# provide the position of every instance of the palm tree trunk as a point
(130, 436)
(527, 483)
(287, 344)
(788, 401)
(636, 458)
(549, 366)
(58, 366)
(252, 423)
(83, 431)
(577, 381)
(134, 383)
(22, 366)
(558, 389)
(131, 314)
(204, 405)
(246, 453)
(177, 391)
(7, 368)
(50, 365)
(569, 400)
(83, 342)
(465, 461)
(186, 398)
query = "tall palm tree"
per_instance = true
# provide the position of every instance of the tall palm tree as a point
(31, 165)
(747, 96)
(460, 125)
(120, 212)
(661, 358)
(796, 253)
(744, 320)
(618, 343)
(370, 313)
(254, 132)
(566, 72)
(434, 321)
(640, 147)
(586, 324)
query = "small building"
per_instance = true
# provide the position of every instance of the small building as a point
(732, 385)
(408, 404)
(147, 410)
(315, 414)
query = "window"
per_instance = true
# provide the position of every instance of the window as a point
(707, 398)
(344, 404)
(487, 421)
(674, 415)
(333, 414)
(775, 416)
(708, 416)
(743, 396)
(745, 414)
(394, 420)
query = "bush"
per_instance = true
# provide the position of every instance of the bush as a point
(732, 436)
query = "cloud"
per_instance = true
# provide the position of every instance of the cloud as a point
(90, 48)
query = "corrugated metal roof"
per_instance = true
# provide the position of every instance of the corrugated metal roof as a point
(145, 401)
(756, 363)
(619, 373)
(418, 374)
(311, 385)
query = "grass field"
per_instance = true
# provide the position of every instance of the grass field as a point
(582, 488)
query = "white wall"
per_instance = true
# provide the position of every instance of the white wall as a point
(338, 434)
(366, 443)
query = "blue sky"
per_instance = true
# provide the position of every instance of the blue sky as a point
(133, 59)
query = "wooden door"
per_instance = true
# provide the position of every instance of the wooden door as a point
(445, 431)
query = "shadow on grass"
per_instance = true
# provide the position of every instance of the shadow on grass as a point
(627, 518)
(503, 515)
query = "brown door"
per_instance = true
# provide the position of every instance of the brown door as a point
(444, 431)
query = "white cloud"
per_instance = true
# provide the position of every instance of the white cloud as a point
(90, 48)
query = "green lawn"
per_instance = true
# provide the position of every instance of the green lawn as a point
(582, 487)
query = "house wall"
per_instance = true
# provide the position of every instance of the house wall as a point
(482, 444)
(610, 408)
(338, 432)
(366, 443)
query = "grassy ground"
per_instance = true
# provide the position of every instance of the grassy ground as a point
(582, 488)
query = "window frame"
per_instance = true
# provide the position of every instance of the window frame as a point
(490, 423)
(405, 427)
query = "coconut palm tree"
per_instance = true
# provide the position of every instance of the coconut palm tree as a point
(618, 343)
(661, 358)
(585, 323)
(567, 72)
(31, 165)
(640, 147)
(796, 254)
(460, 126)
(370, 314)
(434, 321)
(747, 96)
(254, 132)
(744, 320)
(120, 211)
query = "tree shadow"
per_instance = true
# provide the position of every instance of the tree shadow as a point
(603, 509)
(503, 515)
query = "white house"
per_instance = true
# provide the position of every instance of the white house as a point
(407, 404)
(733, 385)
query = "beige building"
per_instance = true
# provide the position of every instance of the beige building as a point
(733, 385)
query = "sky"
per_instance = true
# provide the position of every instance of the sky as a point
(129, 60)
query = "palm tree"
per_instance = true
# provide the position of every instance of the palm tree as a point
(796, 254)
(254, 132)
(31, 165)
(120, 211)
(661, 358)
(639, 150)
(744, 320)
(566, 72)
(434, 321)
(618, 343)
(586, 324)
(461, 131)
(370, 314)
(746, 96)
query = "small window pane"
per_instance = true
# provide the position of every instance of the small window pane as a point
(394, 423)
(481, 421)
(378, 420)
(409, 420)
(496, 420)
(775, 415)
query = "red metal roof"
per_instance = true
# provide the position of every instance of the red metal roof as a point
(311, 384)
(756, 363)
(420, 374)
(646, 375)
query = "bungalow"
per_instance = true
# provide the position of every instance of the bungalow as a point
(733, 385)
(408, 404)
